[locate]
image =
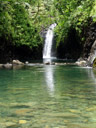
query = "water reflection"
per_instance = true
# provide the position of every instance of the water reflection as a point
(49, 78)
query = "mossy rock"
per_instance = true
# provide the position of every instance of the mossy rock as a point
(94, 63)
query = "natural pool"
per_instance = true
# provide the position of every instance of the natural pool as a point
(48, 96)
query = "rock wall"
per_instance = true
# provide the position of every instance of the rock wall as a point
(74, 48)
(90, 36)
(92, 54)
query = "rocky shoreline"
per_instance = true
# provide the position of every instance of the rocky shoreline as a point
(16, 64)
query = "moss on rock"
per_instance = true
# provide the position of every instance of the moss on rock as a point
(94, 63)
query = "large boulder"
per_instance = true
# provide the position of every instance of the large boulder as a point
(92, 56)
(17, 62)
(81, 62)
(7, 66)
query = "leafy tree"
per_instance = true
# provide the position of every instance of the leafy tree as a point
(72, 14)
(22, 21)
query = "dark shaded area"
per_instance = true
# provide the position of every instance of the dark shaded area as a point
(26, 53)
(6, 49)
(8, 52)
(71, 47)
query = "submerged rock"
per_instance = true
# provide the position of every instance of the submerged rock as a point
(1, 65)
(22, 121)
(17, 66)
(11, 125)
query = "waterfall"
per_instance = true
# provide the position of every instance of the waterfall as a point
(48, 42)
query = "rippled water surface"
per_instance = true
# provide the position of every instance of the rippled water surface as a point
(48, 96)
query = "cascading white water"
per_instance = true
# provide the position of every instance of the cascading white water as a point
(48, 42)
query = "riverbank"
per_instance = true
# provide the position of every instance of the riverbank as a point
(16, 64)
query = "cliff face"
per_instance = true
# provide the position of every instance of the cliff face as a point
(74, 48)
(90, 37)
(92, 55)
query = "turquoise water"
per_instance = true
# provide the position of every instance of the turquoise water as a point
(48, 96)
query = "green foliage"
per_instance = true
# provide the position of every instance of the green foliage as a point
(72, 13)
(22, 21)
(93, 11)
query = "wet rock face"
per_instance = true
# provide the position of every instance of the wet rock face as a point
(90, 35)
(92, 55)
(82, 63)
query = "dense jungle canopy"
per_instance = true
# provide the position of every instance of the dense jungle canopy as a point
(22, 22)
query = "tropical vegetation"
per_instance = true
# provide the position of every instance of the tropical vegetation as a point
(23, 22)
